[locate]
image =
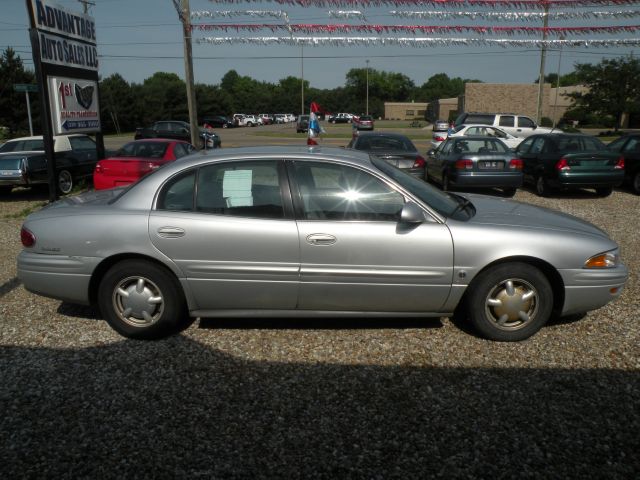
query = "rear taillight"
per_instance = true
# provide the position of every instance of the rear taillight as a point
(439, 138)
(464, 164)
(98, 168)
(515, 164)
(620, 164)
(419, 163)
(563, 165)
(27, 238)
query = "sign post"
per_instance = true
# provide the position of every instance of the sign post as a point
(26, 88)
(65, 56)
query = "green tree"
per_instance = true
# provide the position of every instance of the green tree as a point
(613, 85)
(116, 98)
(567, 80)
(13, 107)
(440, 86)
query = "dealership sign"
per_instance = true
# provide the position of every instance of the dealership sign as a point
(66, 38)
(74, 105)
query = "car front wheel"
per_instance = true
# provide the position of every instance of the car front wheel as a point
(509, 302)
(65, 182)
(636, 183)
(141, 300)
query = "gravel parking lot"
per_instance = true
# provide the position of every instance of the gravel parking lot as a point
(321, 399)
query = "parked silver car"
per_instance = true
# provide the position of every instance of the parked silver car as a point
(298, 231)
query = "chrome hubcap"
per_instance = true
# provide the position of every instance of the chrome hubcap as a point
(138, 301)
(65, 182)
(512, 304)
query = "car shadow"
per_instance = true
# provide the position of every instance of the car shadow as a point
(574, 193)
(318, 323)
(178, 408)
(35, 194)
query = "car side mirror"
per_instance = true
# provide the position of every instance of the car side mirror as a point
(411, 213)
(431, 152)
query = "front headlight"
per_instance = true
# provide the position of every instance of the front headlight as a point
(608, 259)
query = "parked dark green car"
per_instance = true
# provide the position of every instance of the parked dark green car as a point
(555, 161)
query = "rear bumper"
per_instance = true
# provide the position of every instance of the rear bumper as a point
(587, 290)
(487, 179)
(591, 179)
(57, 276)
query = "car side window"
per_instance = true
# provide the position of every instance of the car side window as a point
(177, 194)
(240, 189)
(446, 147)
(525, 145)
(538, 145)
(474, 131)
(343, 193)
(179, 151)
(82, 143)
(632, 146)
(507, 121)
(525, 122)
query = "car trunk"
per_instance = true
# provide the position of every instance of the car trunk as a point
(591, 161)
(122, 172)
(400, 160)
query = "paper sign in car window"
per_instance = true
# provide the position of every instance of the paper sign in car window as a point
(236, 188)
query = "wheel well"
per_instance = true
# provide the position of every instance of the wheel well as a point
(107, 263)
(552, 275)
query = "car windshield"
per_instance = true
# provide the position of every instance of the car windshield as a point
(143, 150)
(480, 145)
(10, 162)
(446, 204)
(579, 144)
(385, 143)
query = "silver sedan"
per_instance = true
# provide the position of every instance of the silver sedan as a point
(324, 232)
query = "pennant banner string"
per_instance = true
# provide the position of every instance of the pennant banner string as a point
(384, 29)
(514, 16)
(240, 13)
(416, 42)
(535, 4)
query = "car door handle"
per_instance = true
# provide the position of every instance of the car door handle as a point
(321, 239)
(171, 232)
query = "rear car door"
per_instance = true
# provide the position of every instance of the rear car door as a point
(235, 240)
(355, 255)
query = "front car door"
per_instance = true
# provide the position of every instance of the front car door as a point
(229, 227)
(355, 254)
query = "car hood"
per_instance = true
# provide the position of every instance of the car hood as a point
(496, 211)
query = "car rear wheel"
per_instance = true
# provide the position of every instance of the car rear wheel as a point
(509, 302)
(604, 191)
(636, 183)
(65, 182)
(542, 187)
(141, 300)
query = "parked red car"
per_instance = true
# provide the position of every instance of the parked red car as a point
(135, 159)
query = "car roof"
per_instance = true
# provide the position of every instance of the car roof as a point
(382, 134)
(39, 137)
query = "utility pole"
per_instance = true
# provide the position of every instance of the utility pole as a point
(85, 5)
(184, 13)
(367, 107)
(543, 56)
(302, 78)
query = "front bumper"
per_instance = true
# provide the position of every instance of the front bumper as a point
(590, 289)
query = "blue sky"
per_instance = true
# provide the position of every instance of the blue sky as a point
(139, 37)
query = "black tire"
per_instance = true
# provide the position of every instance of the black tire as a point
(528, 305)
(64, 182)
(5, 189)
(509, 192)
(445, 182)
(604, 191)
(542, 187)
(155, 301)
(635, 183)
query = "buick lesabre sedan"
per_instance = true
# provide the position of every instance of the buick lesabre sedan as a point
(322, 232)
